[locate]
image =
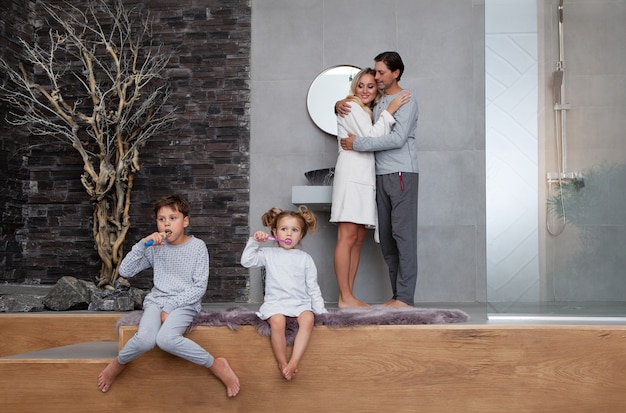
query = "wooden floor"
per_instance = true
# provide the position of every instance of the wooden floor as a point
(427, 368)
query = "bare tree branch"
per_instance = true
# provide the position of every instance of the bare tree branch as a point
(95, 82)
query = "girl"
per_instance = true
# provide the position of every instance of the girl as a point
(354, 185)
(291, 288)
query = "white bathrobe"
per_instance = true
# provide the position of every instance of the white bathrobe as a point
(354, 184)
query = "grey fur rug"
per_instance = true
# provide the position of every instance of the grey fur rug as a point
(335, 318)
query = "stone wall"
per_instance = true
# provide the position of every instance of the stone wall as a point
(46, 214)
(13, 171)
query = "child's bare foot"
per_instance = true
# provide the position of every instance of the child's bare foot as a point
(108, 375)
(222, 370)
(282, 367)
(351, 302)
(290, 372)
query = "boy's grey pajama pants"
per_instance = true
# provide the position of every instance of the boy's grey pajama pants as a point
(167, 336)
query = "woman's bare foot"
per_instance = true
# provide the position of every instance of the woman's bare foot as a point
(351, 302)
(222, 370)
(108, 375)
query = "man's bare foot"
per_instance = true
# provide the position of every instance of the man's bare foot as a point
(108, 375)
(351, 302)
(396, 304)
(389, 301)
(222, 370)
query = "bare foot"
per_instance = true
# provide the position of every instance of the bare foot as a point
(389, 301)
(290, 372)
(282, 367)
(351, 302)
(108, 375)
(396, 304)
(222, 370)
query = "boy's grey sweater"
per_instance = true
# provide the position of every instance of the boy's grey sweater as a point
(181, 272)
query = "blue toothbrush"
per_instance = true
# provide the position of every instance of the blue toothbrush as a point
(149, 243)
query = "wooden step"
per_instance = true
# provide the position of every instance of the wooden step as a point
(27, 332)
(425, 368)
(92, 351)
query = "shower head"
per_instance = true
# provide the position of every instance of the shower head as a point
(560, 24)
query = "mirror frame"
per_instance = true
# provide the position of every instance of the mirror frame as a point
(328, 87)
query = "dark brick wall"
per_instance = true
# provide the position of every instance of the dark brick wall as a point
(204, 157)
(13, 170)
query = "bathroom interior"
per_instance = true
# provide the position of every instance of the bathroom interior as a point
(521, 214)
(522, 203)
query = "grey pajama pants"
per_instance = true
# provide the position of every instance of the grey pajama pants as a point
(168, 336)
(396, 200)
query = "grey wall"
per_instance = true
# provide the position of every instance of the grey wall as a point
(442, 45)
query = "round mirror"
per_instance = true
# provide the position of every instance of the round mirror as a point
(331, 85)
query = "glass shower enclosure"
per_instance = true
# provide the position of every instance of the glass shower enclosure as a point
(556, 158)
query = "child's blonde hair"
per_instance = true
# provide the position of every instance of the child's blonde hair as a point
(308, 220)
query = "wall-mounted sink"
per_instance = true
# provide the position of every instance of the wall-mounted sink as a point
(318, 195)
(315, 197)
(320, 176)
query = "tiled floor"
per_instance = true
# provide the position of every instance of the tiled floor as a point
(591, 312)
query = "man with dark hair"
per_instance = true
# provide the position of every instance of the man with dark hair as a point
(397, 178)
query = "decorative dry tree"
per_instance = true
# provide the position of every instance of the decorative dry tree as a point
(95, 82)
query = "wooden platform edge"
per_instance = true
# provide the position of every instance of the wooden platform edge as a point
(431, 368)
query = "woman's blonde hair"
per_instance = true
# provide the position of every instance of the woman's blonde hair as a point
(353, 85)
(308, 220)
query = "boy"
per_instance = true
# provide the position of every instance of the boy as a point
(180, 265)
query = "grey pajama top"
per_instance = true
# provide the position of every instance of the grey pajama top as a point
(290, 282)
(181, 272)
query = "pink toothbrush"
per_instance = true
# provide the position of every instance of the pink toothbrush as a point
(286, 241)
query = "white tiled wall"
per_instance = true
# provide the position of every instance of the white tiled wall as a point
(511, 79)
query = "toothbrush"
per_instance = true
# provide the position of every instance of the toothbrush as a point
(149, 243)
(286, 241)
